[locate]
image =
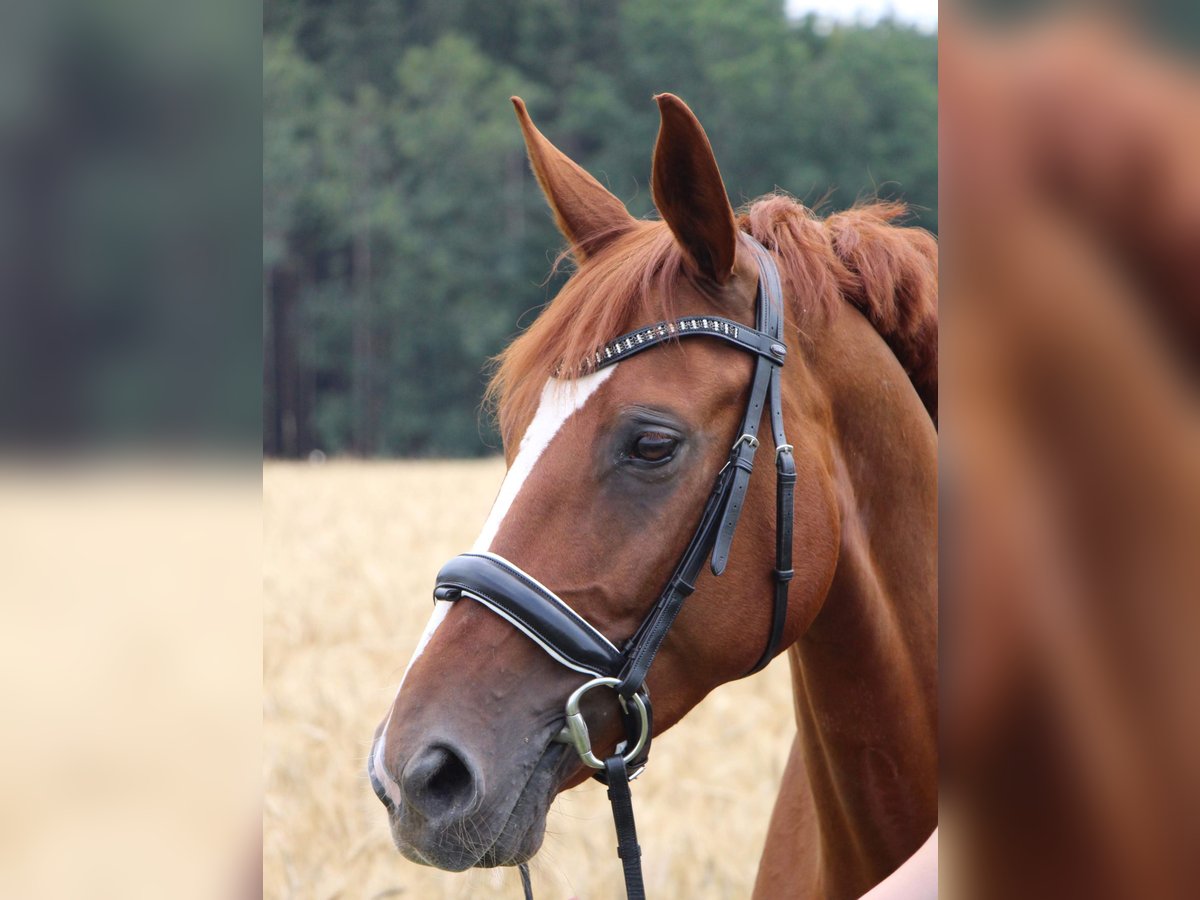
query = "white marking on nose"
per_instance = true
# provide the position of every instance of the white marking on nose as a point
(440, 608)
(560, 399)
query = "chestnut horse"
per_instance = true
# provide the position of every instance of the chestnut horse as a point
(608, 473)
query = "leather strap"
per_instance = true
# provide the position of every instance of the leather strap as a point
(628, 849)
(533, 608)
(765, 370)
(643, 646)
(631, 343)
(785, 467)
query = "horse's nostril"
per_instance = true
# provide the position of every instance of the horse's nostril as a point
(439, 782)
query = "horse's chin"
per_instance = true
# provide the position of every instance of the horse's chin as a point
(504, 831)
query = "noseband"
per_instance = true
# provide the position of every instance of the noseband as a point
(571, 641)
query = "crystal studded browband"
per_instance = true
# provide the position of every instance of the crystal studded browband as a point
(634, 342)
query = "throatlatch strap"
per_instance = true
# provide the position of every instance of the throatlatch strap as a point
(627, 843)
(785, 464)
(785, 475)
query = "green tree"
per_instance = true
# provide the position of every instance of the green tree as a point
(404, 238)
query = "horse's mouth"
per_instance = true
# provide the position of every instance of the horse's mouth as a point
(502, 832)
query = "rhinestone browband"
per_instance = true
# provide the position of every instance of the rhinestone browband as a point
(708, 326)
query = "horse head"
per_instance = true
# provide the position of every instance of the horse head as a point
(609, 470)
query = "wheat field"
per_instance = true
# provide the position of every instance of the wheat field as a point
(350, 551)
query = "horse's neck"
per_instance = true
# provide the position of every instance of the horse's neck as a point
(866, 669)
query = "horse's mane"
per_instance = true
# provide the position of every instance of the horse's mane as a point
(886, 271)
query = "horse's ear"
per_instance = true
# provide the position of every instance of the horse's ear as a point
(687, 189)
(586, 213)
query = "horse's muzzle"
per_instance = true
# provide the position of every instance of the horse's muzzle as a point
(447, 817)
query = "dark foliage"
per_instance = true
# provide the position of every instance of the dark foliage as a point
(404, 239)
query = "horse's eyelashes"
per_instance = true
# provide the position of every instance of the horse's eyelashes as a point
(654, 446)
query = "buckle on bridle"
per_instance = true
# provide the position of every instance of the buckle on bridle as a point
(783, 448)
(576, 732)
(745, 439)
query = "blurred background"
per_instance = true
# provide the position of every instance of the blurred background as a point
(405, 240)
(130, 504)
(1070, 441)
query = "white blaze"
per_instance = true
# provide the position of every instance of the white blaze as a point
(560, 399)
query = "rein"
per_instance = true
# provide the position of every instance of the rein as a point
(570, 640)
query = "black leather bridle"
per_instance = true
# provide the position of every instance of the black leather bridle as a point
(571, 641)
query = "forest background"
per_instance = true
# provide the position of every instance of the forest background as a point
(404, 238)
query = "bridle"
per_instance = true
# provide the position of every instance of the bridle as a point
(571, 641)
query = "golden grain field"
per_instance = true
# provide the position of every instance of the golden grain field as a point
(350, 551)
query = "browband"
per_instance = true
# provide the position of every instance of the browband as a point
(749, 339)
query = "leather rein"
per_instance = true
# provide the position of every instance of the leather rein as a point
(570, 640)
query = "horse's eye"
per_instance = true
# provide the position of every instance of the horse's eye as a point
(654, 446)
